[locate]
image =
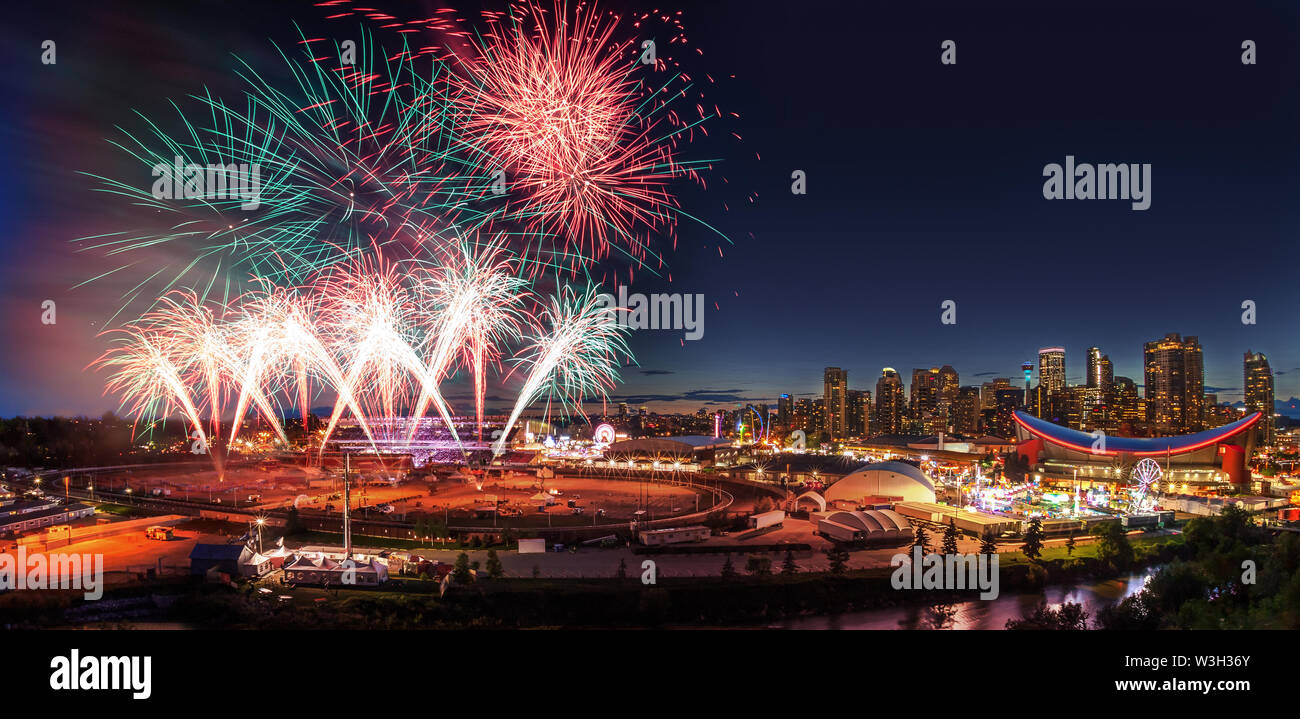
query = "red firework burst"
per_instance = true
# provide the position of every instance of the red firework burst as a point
(560, 104)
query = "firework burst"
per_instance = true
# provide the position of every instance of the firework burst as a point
(350, 157)
(397, 155)
(581, 126)
(573, 355)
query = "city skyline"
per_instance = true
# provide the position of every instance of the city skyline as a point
(1076, 375)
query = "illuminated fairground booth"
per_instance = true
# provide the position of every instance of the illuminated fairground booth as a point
(1214, 456)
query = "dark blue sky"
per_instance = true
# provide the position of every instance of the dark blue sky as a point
(924, 184)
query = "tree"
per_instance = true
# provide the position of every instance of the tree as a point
(1069, 545)
(987, 545)
(494, 569)
(839, 560)
(1112, 544)
(921, 539)
(1070, 616)
(788, 567)
(293, 524)
(950, 537)
(1033, 547)
(460, 571)
(1131, 613)
(758, 566)
(940, 616)
(728, 569)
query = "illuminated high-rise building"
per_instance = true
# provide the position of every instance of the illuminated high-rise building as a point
(988, 390)
(806, 416)
(1051, 369)
(1028, 369)
(785, 412)
(1075, 403)
(1175, 384)
(836, 406)
(1258, 388)
(1095, 408)
(1000, 422)
(1126, 401)
(859, 413)
(925, 391)
(965, 415)
(889, 402)
(949, 383)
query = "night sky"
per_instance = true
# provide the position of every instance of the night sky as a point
(924, 185)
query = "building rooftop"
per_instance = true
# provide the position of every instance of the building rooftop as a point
(682, 444)
(217, 551)
(1138, 446)
(12, 517)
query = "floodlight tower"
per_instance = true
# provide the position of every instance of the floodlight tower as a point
(347, 506)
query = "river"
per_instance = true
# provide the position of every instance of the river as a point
(978, 614)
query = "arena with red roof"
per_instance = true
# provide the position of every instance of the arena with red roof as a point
(1219, 451)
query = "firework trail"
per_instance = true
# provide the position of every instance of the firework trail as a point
(479, 302)
(145, 373)
(194, 332)
(368, 310)
(576, 354)
(359, 330)
(349, 157)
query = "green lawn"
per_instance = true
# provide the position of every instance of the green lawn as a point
(1084, 550)
(120, 510)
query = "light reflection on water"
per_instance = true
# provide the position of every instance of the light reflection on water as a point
(978, 614)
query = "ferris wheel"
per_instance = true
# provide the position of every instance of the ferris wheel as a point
(1146, 473)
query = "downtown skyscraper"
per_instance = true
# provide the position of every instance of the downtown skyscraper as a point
(1051, 370)
(1258, 388)
(889, 402)
(836, 387)
(1175, 384)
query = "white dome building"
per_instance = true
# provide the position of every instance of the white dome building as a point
(883, 479)
(874, 524)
